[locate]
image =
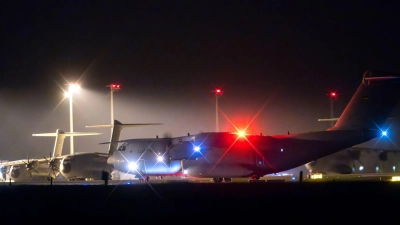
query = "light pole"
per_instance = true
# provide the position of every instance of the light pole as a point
(332, 97)
(73, 88)
(113, 87)
(218, 93)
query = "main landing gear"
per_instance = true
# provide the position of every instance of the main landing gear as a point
(144, 179)
(220, 179)
(255, 177)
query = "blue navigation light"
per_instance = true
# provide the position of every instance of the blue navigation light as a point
(384, 133)
(196, 148)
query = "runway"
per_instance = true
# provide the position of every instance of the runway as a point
(198, 202)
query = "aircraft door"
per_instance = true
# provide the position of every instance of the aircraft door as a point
(141, 166)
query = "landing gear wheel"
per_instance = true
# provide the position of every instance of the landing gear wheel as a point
(227, 179)
(255, 177)
(217, 180)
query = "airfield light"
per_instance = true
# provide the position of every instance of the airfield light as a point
(113, 87)
(132, 166)
(218, 92)
(332, 96)
(395, 178)
(73, 88)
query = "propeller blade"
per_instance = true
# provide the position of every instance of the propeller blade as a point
(46, 159)
(30, 173)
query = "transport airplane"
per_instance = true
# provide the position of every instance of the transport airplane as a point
(223, 155)
(46, 168)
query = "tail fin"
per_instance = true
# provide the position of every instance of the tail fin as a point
(116, 132)
(372, 103)
(60, 136)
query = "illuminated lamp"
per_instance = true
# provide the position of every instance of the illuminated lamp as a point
(132, 166)
(395, 178)
(160, 158)
(196, 148)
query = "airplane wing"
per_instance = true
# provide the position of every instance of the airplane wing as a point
(68, 134)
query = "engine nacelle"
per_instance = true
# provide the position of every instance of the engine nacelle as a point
(19, 173)
(85, 166)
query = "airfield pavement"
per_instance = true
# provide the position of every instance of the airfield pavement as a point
(198, 203)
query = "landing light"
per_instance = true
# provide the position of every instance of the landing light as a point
(361, 168)
(196, 148)
(160, 158)
(132, 166)
(384, 133)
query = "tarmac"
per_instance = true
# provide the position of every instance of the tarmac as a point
(346, 202)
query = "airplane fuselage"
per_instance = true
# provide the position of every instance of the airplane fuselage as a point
(226, 154)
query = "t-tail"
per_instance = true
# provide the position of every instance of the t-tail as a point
(116, 132)
(372, 103)
(60, 136)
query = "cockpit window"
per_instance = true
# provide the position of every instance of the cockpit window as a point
(122, 148)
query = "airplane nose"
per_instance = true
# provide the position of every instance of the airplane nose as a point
(15, 173)
(110, 160)
(65, 167)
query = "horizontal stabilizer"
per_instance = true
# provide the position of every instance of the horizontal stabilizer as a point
(123, 125)
(329, 119)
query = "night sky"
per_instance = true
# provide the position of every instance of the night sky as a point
(275, 60)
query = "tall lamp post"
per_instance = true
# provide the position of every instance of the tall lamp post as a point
(332, 97)
(218, 93)
(113, 87)
(73, 88)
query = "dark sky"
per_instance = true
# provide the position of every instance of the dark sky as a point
(276, 59)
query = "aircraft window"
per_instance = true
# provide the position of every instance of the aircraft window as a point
(122, 148)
